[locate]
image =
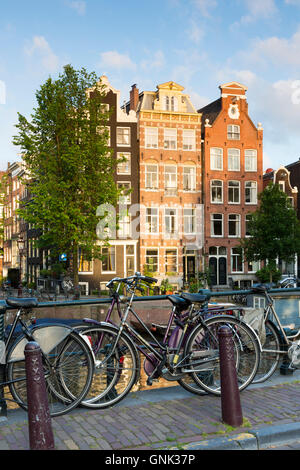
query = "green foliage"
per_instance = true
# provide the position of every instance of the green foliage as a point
(70, 168)
(274, 229)
(268, 272)
(165, 286)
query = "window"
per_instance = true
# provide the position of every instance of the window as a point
(109, 259)
(281, 185)
(102, 130)
(216, 225)
(189, 221)
(216, 158)
(151, 137)
(124, 225)
(152, 220)
(233, 160)
(189, 178)
(151, 176)
(170, 221)
(216, 191)
(124, 167)
(123, 136)
(125, 196)
(152, 260)
(174, 103)
(253, 266)
(85, 265)
(233, 192)
(233, 132)
(250, 160)
(250, 192)
(170, 139)
(188, 139)
(167, 103)
(171, 261)
(236, 261)
(247, 220)
(170, 178)
(234, 225)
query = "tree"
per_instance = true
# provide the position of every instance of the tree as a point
(274, 230)
(69, 166)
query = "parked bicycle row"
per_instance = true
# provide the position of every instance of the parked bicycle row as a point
(96, 364)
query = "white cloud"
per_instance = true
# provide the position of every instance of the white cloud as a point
(195, 32)
(114, 59)
(78, 5)
(278, 50)
(258, 9)
(205, 6)
(157, 61)
(292, 2)
(40, 48)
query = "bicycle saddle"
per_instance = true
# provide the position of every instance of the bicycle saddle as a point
(194, 298)
(179, 302)
(22, 303)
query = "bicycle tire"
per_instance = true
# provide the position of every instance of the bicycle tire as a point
(269, 361)
(204, 339)
(114, 379)
(67, 383)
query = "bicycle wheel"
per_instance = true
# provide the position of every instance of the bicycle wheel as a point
(202, 348)
(116, 369)
(270, 355)
(68, 368)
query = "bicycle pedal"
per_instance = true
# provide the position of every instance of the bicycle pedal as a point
(149, 382)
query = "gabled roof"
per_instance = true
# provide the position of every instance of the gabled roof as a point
(170, 86)
(234, 86)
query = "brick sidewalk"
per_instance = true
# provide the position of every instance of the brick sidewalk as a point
(159, 424)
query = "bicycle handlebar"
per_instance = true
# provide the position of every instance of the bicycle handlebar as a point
(129, 280)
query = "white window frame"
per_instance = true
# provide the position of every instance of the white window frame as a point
(233, 132)
(236, 219)
(123, 143)
(124, 223)
(170, 138)
(246, 221)
(213, 186)
(250, 160)
(152, 214)
(188, 139)
(235, 189)
(212, 220)
(189, 221)
(256, 266)
(126, 199)
(233, 260)
(253, 191)
(216, 158)
(234, 159)
(152, 175)
(189, 178)
(175, 250)
(170, 178)
(151, 137)
(154, 256)
(170, 221)
(124, 168)
(115, 254)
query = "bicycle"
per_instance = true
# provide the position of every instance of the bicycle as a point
(278, 342)
(191, 348)
(67, 359)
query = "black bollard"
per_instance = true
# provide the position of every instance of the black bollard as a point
(230, 395)
(39, 419)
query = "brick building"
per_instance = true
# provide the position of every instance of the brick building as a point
(232, 179)
(170, 181)
(121, 258)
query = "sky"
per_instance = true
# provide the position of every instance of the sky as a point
(199, 44)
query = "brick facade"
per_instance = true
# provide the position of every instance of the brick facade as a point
(232, 175)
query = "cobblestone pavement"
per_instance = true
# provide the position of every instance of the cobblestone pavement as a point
(162, 419)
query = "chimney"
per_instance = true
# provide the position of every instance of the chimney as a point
(134, 97)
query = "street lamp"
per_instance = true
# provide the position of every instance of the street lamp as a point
(21, 245)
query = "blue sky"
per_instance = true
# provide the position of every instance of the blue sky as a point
(197, 43)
